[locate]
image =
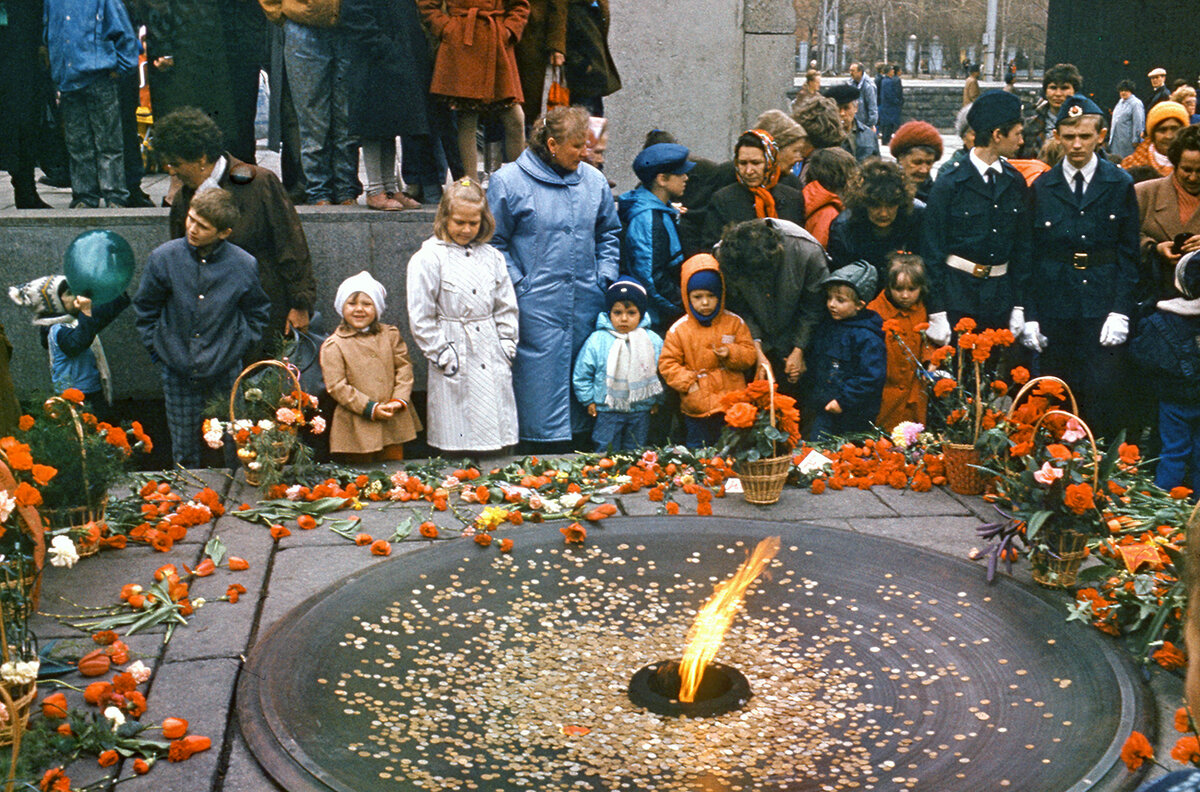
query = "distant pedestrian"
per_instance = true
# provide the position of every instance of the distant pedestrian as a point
(1128, 121)
(1159, 92)
(971, 88)
(891, 104)
(868, 103)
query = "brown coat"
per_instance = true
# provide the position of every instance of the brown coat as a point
(545, 32)
(314, 13)
(688, 363)
(368, 367)
(904, 394)
(476, 57)
(1158, 211)
(267, 228)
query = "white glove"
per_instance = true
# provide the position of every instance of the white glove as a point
(939, 329)
(509, 348)
(448, 361)
(1032, 338)
(1115, 330)
(1016, 321)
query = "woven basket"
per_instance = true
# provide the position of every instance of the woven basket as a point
(962, 478)
(254, 477)
(22, 698)
(763, 479)
(1058, 568)
(27, 585)
(74, 519)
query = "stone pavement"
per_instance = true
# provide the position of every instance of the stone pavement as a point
(195, 675)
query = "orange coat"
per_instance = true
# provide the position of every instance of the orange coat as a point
(904, 394)
(476, 58)
(688, 362)
(821, 207)
(1141, 156)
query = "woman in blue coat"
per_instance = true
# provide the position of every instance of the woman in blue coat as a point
(557, 226)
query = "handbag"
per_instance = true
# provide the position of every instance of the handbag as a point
(557, 95)
(303, 350)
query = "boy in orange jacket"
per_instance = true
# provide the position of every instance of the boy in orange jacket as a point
(707, 352)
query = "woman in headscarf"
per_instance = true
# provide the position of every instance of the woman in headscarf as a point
(757, 193)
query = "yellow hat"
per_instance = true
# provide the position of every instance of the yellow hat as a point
(1164, 110)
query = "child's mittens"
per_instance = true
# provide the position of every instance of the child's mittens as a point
(509, 348)
(448, 361)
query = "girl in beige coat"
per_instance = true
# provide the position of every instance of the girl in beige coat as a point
(368, 373)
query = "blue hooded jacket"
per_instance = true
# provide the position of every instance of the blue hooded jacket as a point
(651, 252)
(86, 40)
(848, 362)
(591, 367)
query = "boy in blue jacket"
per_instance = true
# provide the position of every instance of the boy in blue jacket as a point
(616, 373)
(848, 357)
(91, 43)
(199, 308)
(650, 249)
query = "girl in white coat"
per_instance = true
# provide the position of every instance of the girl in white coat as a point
(463, 314)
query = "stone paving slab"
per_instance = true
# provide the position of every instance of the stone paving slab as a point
(195, 676)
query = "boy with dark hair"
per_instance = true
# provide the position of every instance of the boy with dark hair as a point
(199, 308)
(1080, 292)
(975, 230)
(1059, 82)
(844, 386)
(650, 248)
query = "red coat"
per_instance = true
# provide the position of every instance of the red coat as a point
(904, 395)
(476, 58)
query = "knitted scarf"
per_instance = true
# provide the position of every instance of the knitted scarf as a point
(764, 202)
(631, 375)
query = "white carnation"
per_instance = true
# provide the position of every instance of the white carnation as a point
(7, 504)
(570, 500)
(20, 672)
(63, 552)
(116, 716)
(140, 671)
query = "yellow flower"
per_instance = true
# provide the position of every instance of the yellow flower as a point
(356, 504)
(490, 517)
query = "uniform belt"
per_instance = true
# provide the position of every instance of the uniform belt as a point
(976, 270)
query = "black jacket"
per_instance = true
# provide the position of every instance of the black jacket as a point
(389, 68)
(1167, 350)
(735, 204)
(965, 219)
(1105, 227)
(199, 316)
(853, 238)
(848, 362)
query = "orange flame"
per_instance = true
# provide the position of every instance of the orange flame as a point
(704, 637)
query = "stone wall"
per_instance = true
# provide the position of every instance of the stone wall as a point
(700, 69)
(343, 241)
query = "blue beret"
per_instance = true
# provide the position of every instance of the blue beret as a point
(993, 110)
(1076, 106)
(626, 289)
(661, 158)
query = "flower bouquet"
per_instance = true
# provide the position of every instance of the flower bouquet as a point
(267, 409)
(967, 398)
(758, 419)
(1052, 499)
(21, 541)
(73, 461)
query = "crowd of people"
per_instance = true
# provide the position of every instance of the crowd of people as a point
(546, 307)
(448, 69)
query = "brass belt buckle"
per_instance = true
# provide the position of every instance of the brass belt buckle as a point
(1079, 261)
(982, 270)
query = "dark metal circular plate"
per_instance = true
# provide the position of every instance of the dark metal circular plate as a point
(656, 687)
(875, 666)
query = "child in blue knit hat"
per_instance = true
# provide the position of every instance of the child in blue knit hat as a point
(616, 373)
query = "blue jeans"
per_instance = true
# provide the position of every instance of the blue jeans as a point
(621, 431)
(318, 69)
(1179, 429)
(703, 432)
(92, 128)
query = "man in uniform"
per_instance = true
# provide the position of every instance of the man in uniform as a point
(975, 233)
(1085, 266)
(267, 228)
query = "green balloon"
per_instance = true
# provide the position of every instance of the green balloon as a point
(99, 265)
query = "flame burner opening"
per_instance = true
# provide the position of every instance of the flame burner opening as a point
(722, 689)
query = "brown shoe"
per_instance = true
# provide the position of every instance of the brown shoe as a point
(349, 202)
(405, 201)
(322, 202)
(383, 203)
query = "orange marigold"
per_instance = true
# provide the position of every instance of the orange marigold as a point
(944, 386)
(483, 539)
(1178, 493)
(428, 530)
(817, 487)
(381, 547)
(1170, 657)
(1079, 498)
(1020, 375)
(1136, 750)
(576, 533)
(1186, 750)
(26, 423)
(73, 395)
(1182, 722)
